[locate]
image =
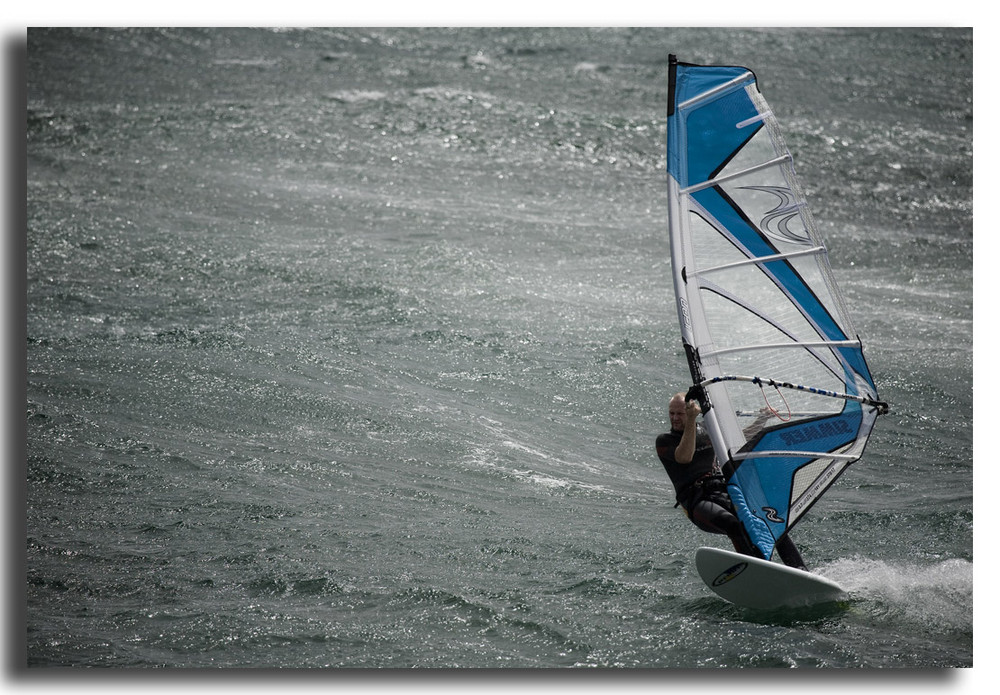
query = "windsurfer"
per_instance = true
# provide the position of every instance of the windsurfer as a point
(689, 459)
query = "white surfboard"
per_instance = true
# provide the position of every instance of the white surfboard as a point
(753, 583)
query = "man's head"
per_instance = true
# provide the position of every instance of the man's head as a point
(678, 412)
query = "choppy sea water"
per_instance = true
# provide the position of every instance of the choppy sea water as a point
(348, 347)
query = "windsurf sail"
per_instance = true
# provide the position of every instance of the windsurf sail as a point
(786, 395)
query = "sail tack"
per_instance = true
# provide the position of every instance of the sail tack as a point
(789, 401)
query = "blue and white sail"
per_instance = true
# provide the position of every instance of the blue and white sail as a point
(787, 396)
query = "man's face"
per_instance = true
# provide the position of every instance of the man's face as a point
(677, 415)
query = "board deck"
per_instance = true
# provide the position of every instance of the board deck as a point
(753, 583)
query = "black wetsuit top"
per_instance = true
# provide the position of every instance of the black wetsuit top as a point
(684, 475)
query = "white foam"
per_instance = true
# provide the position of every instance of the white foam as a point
(935, 592)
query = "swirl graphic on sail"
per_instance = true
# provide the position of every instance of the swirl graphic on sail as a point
(778, 221)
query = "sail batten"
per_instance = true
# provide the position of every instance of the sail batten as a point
(757, 260)
(787, 454)
(756, 295)
(708, 93)
(780, 346)
(777, 161)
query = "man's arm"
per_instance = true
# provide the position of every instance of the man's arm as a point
(685, 449)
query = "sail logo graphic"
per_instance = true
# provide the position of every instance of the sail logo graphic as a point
(730, 574)
(777, 222)
(800, 435)
(772, 515)
(685, 313)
